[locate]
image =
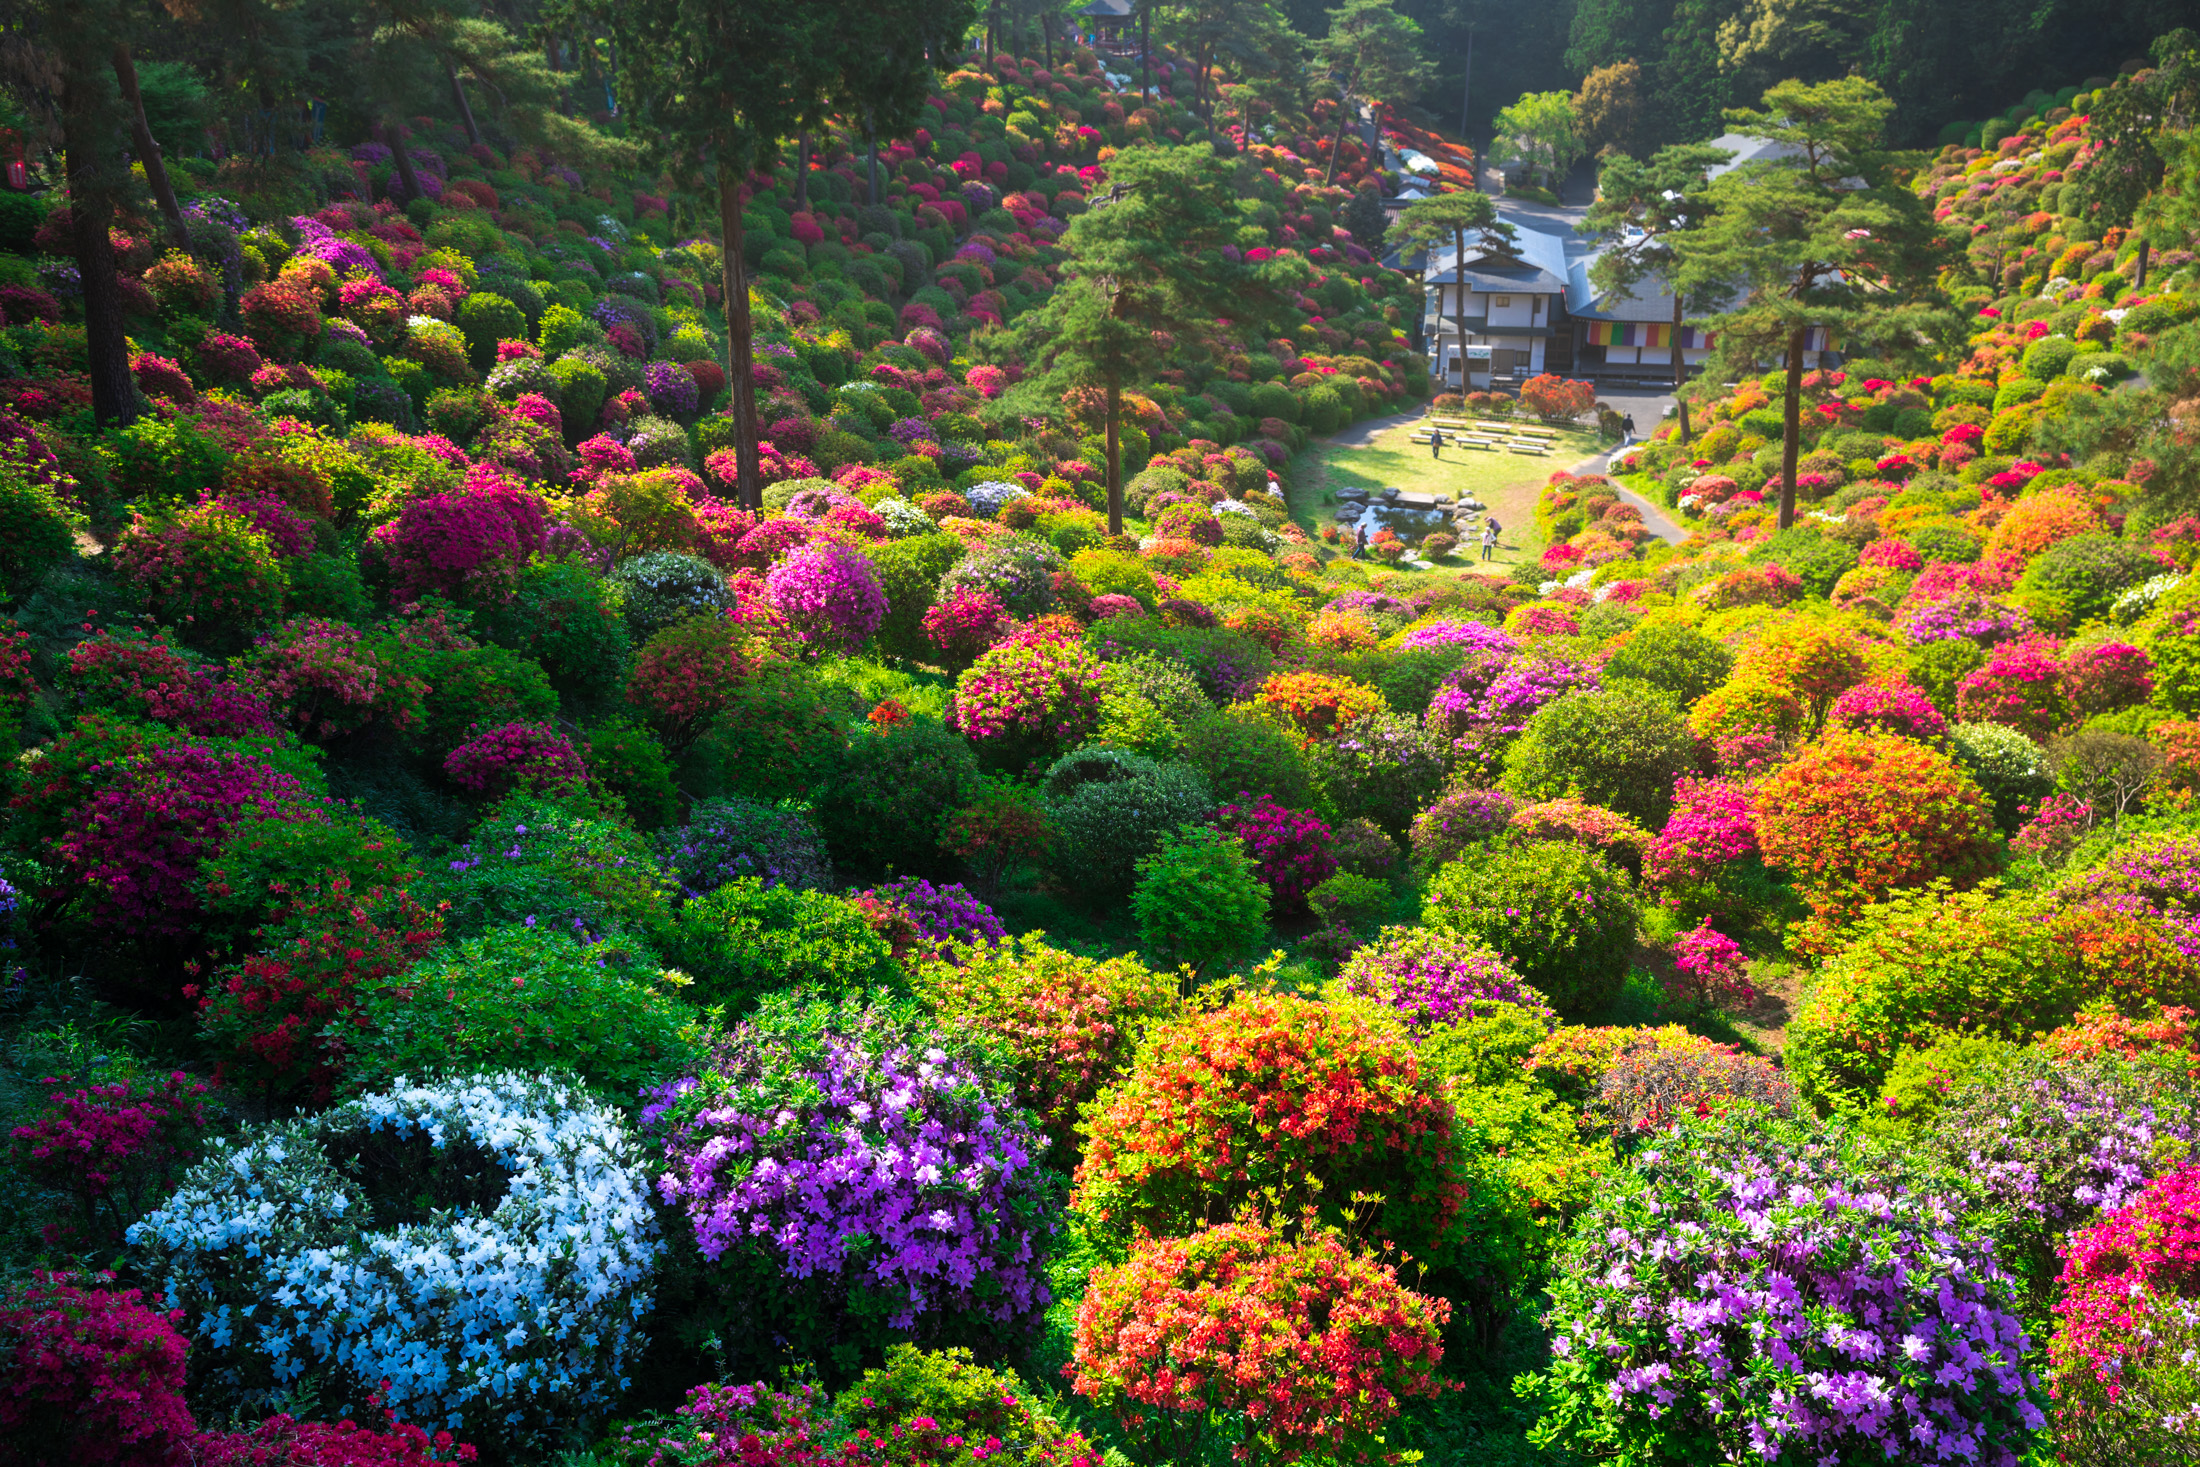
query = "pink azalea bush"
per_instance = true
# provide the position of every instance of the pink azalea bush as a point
(1290, 848)
(830, 595)
(496, 762)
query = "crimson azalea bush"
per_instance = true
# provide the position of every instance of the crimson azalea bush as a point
(112, 1148)
(95, 1376)
(1289, 1349)
(1282, 1102)
(513, 757)
(1033, 695)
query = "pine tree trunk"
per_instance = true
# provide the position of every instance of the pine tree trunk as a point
(147, 150)
(1046, 37)
(406, 178)
(1115, 458)
(2139, 272)
(1791, 431)
(86, 152)
(1344, 120)
(749, 488)
(465, 108)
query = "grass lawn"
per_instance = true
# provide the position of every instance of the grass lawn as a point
(1506, 482)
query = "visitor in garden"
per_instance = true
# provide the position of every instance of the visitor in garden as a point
(1435, 442)
(1489, 539)
(1627, 430)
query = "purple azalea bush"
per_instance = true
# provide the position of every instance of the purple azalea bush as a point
(840, 1156)
(672, 390)
(1966, 617)
(1434, 978)
(2155, 879)
(1758, 1290)
(2047, 1140)
(830, 594)
(943, 913)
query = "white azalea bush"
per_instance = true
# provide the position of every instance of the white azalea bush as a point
(484, 1244)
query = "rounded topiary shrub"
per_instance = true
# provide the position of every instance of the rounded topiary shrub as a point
(1753, 1287)
(315, 1244)
(1561, 916)
(1621, 747)
(889, 800)
(1432, 979)
(1111, 815)
(1198, 1129)
(747, 939)
(527, 997)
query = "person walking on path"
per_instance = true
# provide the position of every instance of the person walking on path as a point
(1489, 539)
(1435, 442)
(1359, 541)
(1627, 430)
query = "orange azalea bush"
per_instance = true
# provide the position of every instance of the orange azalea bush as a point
(1858, 815)
(1319, 704)
(1317, 1346)
(1279, 1101)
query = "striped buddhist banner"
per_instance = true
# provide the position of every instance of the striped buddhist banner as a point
(1651, 335)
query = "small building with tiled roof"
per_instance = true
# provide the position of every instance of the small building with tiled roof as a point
(1491, 318)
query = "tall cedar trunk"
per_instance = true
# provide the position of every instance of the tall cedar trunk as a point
(747, 474)
(1680, 366)
(1115, 458)
(2139, 273)
(406, 178)
(147, 150)
(802, 172)
(1145, 54)
(465, 108)
(992, 24)
(1336, 144)
(91, 210)
(1791, 431)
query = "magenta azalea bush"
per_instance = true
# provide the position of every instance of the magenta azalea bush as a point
(512, 757)
(1432, 978)
(1290, 848)
(830, 595)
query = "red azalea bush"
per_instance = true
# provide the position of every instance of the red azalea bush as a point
(1290, 848)
(684, 675)
(2020, 686)
(94, 1378)
(2106, 678)
(1315, 1345)
(1281, 1100)
(2100, 1029)
(329, 679)
(1857, 815)
(965, 623)
(533, 757)
(203, 568)
(1554, 397)
(1649, 1087)
(281, 1441)
(277, 1019)
(143, 677)
(114, 1149)
(1321, 704)
(1036, 693)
